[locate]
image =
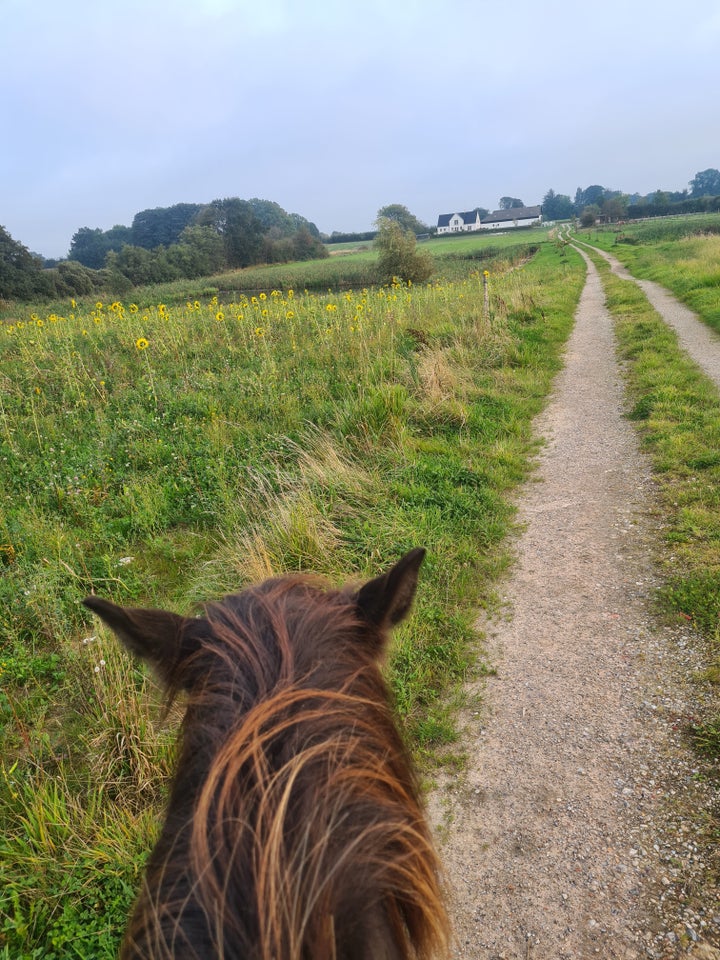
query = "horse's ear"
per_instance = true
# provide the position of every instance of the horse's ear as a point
(387, 599)
(161, 638)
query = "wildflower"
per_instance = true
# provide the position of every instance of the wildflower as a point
(290, 315)
(133, 308)
(197, 304)
(263, 296)
(259, 332)
(98, 305)
(39, 323)
(141, 343)
(73, 304)
(124, 561)
(219, 316)
(240, 316)
(89, 640)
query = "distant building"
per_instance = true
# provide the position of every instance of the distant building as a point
(459, 222)
(514, 217)
(497, 220)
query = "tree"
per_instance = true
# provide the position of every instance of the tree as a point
(91, 246)
(21, 275)
(399, 256)
(510, 203)
(302, 224)
(400, 214)
(591, 196)
(307, 247)
(237, 224)
(706, 183)
(614, 208)
(162, 226)
(200, 252)
(557, 206)
(589, 215)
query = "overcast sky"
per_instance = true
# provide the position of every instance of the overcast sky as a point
(335, 108)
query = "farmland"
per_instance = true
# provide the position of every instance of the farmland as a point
(167, 449)
(176, 444)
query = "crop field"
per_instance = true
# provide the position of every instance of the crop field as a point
(166, 451)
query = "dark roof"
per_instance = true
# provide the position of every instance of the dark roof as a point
(514, 213)
(469, 217)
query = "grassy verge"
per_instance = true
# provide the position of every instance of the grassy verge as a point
(677, 410)
(164, 455)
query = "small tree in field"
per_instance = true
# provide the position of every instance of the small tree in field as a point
(589, 215)
(399, 256)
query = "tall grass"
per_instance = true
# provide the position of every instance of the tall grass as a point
(162, 454)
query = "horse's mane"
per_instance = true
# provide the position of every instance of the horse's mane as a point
(294, 829)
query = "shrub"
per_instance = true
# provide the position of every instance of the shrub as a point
(399, 256)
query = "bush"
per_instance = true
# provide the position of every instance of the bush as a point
(399, 257)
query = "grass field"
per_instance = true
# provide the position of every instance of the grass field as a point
(355, 269)
(164, 452)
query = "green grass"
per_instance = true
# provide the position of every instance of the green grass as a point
(677, 410)
(167, 454)
(683, 254)
(351, 271)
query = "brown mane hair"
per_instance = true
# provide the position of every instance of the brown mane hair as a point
(294, 829)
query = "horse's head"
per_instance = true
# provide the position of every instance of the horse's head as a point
(290, 620)
(292, 777)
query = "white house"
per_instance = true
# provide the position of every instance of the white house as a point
(459, 222)
(514, 217)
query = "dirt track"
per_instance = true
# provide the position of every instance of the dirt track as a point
(572, 832)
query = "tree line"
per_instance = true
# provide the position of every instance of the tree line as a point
(184, 241)
(595, 202)
(193, 240)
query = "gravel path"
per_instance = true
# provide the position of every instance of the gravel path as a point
(572, 831)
